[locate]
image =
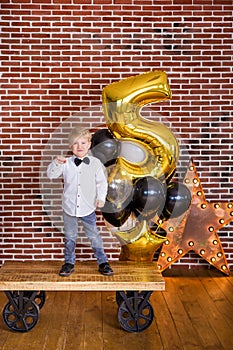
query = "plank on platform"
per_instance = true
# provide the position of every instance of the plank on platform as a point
(43, 275)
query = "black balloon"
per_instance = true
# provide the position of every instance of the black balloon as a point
(149, 197)
(177, 202)
(116, 216)
(105, 147)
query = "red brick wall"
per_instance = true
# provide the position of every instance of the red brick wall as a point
(56, 58)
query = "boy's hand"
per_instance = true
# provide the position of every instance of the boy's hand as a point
(60, 160)
(99, 204)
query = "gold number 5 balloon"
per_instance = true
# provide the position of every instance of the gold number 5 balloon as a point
(147, 148)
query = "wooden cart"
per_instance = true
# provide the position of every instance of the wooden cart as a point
(25, 284)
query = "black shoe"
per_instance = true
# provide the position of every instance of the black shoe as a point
(66, 269)
(105, 269)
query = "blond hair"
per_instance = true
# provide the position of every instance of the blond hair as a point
(77, 133)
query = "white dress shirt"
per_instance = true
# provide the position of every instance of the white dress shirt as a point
(83, 185)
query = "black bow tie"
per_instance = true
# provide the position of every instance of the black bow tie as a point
(78, 161)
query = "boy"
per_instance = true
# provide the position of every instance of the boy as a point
(85, 189)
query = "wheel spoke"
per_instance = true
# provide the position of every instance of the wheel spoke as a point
(24, 319)
(25, 324)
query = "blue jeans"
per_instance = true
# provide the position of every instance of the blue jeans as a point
(91, 231)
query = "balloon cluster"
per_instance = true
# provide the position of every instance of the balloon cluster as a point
(141, 157)
(145, 197)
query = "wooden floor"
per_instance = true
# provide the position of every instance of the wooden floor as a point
(194, 312)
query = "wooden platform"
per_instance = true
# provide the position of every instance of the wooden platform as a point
(43, 275)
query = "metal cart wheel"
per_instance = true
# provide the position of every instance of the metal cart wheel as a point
(135, 314)
(20, 314)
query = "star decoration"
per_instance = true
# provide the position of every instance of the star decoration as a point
(196, 230)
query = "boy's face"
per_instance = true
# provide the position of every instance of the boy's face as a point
(80, 147)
